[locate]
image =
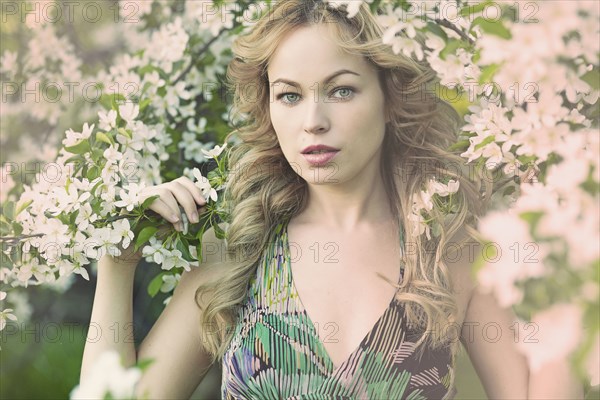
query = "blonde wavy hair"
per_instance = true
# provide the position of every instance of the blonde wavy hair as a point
(263, 189)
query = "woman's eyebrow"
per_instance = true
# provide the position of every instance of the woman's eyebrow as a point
(329, 78)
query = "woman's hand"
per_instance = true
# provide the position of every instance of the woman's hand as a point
(180, 191)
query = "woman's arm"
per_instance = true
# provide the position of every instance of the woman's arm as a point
(488, 331)
(111, 321)
(489, 335)
(173, 342)
(180, 361)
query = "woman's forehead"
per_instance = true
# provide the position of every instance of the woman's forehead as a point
(310, 49)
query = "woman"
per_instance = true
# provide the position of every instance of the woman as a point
(321, 290)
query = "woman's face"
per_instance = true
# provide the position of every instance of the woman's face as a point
(345, 112)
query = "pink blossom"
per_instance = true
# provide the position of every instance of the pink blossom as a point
(559, 331)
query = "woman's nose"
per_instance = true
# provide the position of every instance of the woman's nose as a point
(316, 120)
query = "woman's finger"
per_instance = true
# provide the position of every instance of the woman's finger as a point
(164, 210)
(193, 189)
(184, 197)
(167, 207)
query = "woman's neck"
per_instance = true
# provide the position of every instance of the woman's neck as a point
(347, 207)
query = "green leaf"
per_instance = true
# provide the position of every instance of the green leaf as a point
(492, 27)
(144, 103)
(592, 78)
(213, 174)
(454, 97)
(77, 160)
(73, 217)
(219, 232)
(460, 145)
(508, 190)
(80, 148)
(149, 201)
(487, 73)
(155, 284)
(93, 173)
(183, 246)
(436, 229)
(18, 228)
(470, 9)
(5, 229)
(9, 210)
(5, 260)
(451, 48)
(22, 207)
(436, 29)
(590, 185)
(199, 251)
(103, 137)
(144, 363)
(144, 235)
(532, 218)
(100, 182)
(125, 132)
(526, 159)
(485, 141)
(97, 155)
(146, 69)
(109, 100)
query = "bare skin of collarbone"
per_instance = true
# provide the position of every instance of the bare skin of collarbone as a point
(337, 281)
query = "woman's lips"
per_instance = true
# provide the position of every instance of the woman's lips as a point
(321, 159)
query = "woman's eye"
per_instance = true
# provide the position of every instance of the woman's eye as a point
(344, 90)
(291, 98)
(286, 95)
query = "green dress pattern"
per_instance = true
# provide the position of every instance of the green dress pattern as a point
(276, 352)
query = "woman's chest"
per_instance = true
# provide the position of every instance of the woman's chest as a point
(339, 284)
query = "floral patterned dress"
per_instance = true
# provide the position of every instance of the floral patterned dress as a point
(276, 352)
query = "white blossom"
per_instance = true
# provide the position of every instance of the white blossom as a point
(6, 315)
(124, 229)
(74, 138)
(154, 251)
(169, 282)
(214, 153)
(167, 45)
(352, 6)
(130, 196)
(85, 216)
(505, 256)
(129, 111)
(8, 62)
(108, 376)
(212, 18)
(203, 183)
(175, 259)
(558, 332)
(108, 120)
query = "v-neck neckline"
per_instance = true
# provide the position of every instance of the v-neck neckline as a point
(283, 234)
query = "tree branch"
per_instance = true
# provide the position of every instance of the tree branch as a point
(200, 52)
(449, 25)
